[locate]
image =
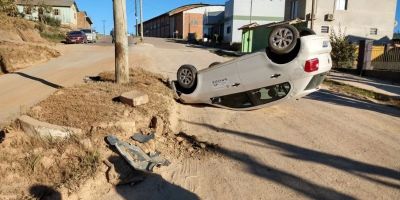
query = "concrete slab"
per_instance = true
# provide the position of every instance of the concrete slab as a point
(45, 130)
(134, 98)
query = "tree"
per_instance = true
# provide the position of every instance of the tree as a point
(343, 52)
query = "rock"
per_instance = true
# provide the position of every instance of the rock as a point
(46, 162)
(86, 143)
(128, 126)
(42, 129)
(179, 139)
(126, 113)
(203, 146)
(134, 98)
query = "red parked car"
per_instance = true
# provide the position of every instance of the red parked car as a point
(76, 37)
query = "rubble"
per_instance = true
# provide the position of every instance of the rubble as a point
(134, 98)
(42, 129)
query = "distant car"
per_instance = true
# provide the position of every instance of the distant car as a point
(90, 35)
(292, 66)
(76, 37)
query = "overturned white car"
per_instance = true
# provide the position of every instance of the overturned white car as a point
(292, 66)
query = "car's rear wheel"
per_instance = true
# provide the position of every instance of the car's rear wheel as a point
(283, 39)
(214, 64)
(187, 76)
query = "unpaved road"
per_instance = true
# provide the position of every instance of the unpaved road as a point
(323, 146)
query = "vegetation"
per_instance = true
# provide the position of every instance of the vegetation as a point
(343, 53)
(53, 37)
(8, 7)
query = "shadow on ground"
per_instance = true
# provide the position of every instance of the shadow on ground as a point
(136, 185)
(43, 192)
(308, 188)
(338, 99)
(50, 84)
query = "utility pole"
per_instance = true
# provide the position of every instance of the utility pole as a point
(141, 20)
(104, 27)
(121, 42)
(136, 18)
(251, 10)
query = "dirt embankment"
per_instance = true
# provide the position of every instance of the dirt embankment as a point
(21, 44)
(28, 163)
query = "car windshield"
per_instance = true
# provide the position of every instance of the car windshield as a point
(75, 33)
(86, 30)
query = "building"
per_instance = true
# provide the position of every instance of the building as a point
(84, 22)
(241, 12)
(185, 22)
(64, 10)
(359, 19)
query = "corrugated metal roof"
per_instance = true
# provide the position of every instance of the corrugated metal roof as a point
(63, 3)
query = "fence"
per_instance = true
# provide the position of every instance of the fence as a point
(388, 61)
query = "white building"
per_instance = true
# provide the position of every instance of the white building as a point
(242, 12)
(64, 10)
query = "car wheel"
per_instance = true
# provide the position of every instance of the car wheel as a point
(187, 76)
(214, 64)
(283, 39)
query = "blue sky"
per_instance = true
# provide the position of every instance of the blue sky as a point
(100, 10)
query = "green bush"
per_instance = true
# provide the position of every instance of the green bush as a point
(51, 21)
(343, 53)
(8, 7)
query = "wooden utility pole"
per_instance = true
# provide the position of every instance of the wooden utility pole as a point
(121, 42)
(136, 18)
(141, 20)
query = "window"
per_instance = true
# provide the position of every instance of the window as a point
(373, 31)
(341, 4)
(255, 97)
(28, 10)
(324, 29)
(294, 9)
(56, 12)
(228, 30)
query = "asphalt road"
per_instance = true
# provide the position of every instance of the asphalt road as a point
(324, 146)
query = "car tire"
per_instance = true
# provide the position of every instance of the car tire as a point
(187, 75)
(283, 39)
(214, 64)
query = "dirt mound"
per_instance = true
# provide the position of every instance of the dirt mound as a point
(18, 29)
(14, 56)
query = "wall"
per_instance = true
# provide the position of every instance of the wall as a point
(67, 15)
(82, 21)
(357, 20)
(262, 12)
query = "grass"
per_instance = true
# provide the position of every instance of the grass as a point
(360, 93)
(53, 37)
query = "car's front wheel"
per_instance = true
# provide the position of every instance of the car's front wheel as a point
(187, 76)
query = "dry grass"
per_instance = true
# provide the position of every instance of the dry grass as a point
(360, 93)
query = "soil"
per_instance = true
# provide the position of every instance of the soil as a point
(21, 44)
(94, 108)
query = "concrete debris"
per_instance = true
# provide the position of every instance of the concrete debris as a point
(45, 130)
(135, 156)
(157, 124)
(134, 98)
(142, 138)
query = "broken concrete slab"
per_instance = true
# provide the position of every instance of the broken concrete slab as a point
(43, 129)
(134, 98)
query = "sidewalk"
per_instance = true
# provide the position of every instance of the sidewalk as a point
(374, 85)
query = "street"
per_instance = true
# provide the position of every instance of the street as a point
(324, 146)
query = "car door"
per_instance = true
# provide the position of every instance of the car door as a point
(257, 71)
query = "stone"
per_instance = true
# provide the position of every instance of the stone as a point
(86, 143)
(203, 146)
(179, 139)
(46, 162)
(45, 130)
(126, 125)
(134, 98)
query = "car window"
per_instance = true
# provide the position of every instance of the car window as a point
(86, 31)
(255, 97)
(75, 33)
